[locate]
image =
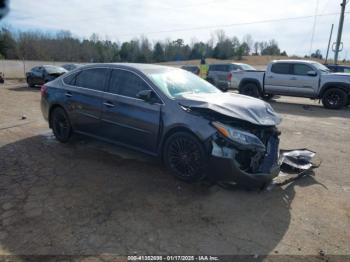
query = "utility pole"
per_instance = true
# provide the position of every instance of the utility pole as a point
(329, 43)
(340, 31)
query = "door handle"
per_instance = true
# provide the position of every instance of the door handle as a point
(270, 77)
(293, 78)
(68, 94)
(109, 104)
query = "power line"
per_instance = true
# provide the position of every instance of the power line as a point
(175, 8)
(231, 25)
(314, 28)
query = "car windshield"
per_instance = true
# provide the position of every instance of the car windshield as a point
(321, 67)
(174, 83)
(247, 67)
(55, 70)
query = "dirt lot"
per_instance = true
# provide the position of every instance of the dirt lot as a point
(88, 197)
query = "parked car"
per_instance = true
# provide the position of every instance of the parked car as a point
(2, 78)
(338, 68)
(191, 68)
(70, 67)
(220, 75)
(196, 129)
(42, 74)
(300, 78)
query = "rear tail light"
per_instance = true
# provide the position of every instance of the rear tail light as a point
(229, 77)
(43, 90)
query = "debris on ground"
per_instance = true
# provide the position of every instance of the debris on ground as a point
(294, 164)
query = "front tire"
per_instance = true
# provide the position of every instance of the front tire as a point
(250, 89)
(29, 82)
(334, 98)
(185, 157)
(60, 124)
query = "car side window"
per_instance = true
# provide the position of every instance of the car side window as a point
(228, 68)
(126, 83)
(221, 68)
(301, 69)
(346, 70)
(234, 68)
(93, 78)
(70, 80)
(280, 68)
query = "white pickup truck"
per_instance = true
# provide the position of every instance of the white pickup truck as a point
(299, 78)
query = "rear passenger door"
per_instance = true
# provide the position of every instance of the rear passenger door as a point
(84, 92)
(279, 79)
(127, 119)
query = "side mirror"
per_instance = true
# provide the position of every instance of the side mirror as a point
(312, 73)
(145, 95)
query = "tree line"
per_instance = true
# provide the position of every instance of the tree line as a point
(63, 46)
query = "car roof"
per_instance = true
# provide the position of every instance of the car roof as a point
(293, 61)
(145, 68)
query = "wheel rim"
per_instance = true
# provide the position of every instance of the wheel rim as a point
(61, 126)
(185, 157)
(333, 98)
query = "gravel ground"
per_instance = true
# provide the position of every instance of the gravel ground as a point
(89, 198)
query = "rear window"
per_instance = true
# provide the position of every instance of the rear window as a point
(70, 80)
(92, 78)
(222, 68)
(280, 68)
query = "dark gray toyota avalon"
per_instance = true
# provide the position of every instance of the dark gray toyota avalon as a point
(197, 130)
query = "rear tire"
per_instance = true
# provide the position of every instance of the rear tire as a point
(334, 98)
(60, 124)
(250, 89)
(185, 157)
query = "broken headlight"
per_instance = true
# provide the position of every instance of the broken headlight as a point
(239, 136)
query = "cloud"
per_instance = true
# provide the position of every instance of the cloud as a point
(160, 19)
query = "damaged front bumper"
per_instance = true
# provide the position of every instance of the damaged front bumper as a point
(248, 168)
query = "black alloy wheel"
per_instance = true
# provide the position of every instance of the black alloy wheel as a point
(334, 98)
(184, 155)
(61, 126)
(30, 83)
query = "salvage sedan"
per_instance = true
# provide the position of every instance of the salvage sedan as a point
(197, 130)
(42, 74)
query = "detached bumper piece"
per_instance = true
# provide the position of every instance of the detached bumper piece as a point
(247, 167)
(294, 165)
(258, 170)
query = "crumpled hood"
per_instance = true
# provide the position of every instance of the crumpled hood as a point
(236, 106)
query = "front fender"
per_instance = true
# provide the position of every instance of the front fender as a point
(341, 85)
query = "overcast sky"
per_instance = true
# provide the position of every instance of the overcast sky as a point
(122, 20)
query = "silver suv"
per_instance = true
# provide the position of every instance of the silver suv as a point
(220, 75)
